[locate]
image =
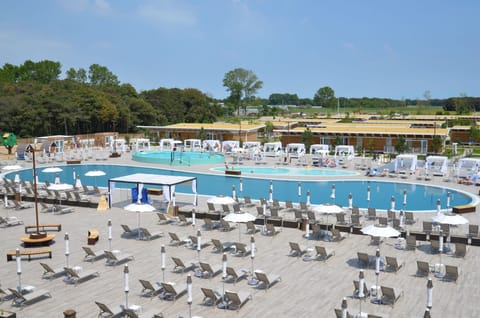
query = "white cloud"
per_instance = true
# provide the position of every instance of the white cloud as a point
(168, 13)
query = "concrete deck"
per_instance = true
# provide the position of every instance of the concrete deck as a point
(306, 289)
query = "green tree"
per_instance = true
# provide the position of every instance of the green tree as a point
(307, 138)
(243, 85)
(474, 133)
(79, 75)
(401, 145)
(325, 97)
(268, 129)
(100, 75)
(437, 144)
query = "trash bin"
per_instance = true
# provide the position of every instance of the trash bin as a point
(69, 313)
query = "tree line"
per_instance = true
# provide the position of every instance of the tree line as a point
(35, 101)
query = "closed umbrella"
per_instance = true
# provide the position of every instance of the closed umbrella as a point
(189, 294)
(299, 191)
(404, 199)
(126, 284)
(350, 201)
(392, 203)
(162, 258)
(253, 280)
(109, 224)
(368, 196)
(234, 193)
(67, 247)
(344, 308)
(18, 259)
(308, 198)
(429, 293)
(332, 195)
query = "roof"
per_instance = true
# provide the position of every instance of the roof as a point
(244, 126)
(156, 179)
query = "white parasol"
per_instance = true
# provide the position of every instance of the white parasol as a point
(60, 187)
(139, 208)
(450, 218)
(52, 170)
(327, 208)
(239, 217)
(12, 168)
(380, 230)
(221, 200)
(95, 173)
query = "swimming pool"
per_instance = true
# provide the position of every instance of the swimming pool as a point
(179, 158)
(419, 197)
(307, 171)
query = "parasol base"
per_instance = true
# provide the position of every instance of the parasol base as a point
(253, 282)
(36, 236)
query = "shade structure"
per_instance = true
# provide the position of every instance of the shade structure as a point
(327, 208)
(449, 218)
(380, 230)
(221, 200)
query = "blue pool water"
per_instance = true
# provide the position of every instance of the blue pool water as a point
(179, 158)
(307, 171)
(419, 197)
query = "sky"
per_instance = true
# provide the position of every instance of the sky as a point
(369, 48)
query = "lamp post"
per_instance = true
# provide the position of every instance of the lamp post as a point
(193, 218)
(109, 235)
(344, 307)
(162, 256)
(126, 287)
(199, 244)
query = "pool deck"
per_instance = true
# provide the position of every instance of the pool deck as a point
(306, 289)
